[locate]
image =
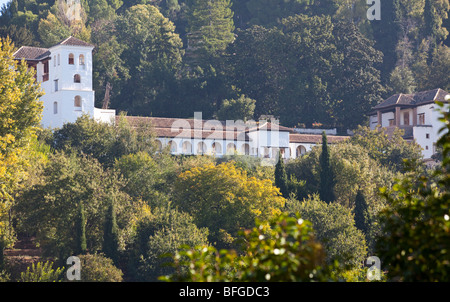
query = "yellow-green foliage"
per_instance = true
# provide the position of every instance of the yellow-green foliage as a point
(224, 199)
(19, 116)
(282, 250)
(41, 272)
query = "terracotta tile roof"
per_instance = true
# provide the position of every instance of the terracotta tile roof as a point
(415, 99)
(31, 53)
(38, 54)
(269, 126)
(315, 138)
(189, 128)
(71, 41)
(201, 129)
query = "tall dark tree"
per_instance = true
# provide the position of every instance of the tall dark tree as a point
(281, 180)
(305, 97)
(326, 188)
(355, 83)
(211, 27)
(257, 68)
(111, 233)
(152, 55)
(435, 12)
(80, 228)
(386, 35)
(361, 212)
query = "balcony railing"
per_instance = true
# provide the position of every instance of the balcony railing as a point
(408, 129)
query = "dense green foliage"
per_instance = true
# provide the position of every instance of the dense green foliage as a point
(417, 224)
(334, 227)
(171, 58)
(284, 250)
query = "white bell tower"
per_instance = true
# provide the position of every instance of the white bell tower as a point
(65, 73)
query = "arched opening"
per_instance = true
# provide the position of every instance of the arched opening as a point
(217, 148)
(55, 108)
(173, 146)
(158, 145)
(187, 147)
(246, 149)
(201, 148)
(77, 102)
(71, 59)
(301, 150)
(77, 78)
(231, 148)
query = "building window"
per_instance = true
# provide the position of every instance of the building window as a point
(391, 122)
(427, 135)
(71, 59)
(77, 101)
(45, 76)
(77, 78)
(406, 118)
(55, 108)
(81, 60)
(426, 147)
(422, 119)
(56, 85)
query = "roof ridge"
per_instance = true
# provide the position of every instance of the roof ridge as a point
(65, 40)
(399, 97)
(437, 93)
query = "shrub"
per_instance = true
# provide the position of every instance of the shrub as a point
(41, 272)
(334, 227)
(98, 268)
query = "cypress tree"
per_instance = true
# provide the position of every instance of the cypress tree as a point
(111, 234)
(326, 191)
(80, 226)
(281, 177)
(360, 212)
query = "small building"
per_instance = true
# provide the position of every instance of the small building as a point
(65, 73)
(416, 114)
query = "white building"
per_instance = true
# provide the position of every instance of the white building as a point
(218, 138)
(416, 114)
(65, 74)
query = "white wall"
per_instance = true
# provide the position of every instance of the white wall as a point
(67, 89)
(386, 117)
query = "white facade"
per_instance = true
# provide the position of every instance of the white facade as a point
(219, 138)
(417, 115)
(65, 73)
